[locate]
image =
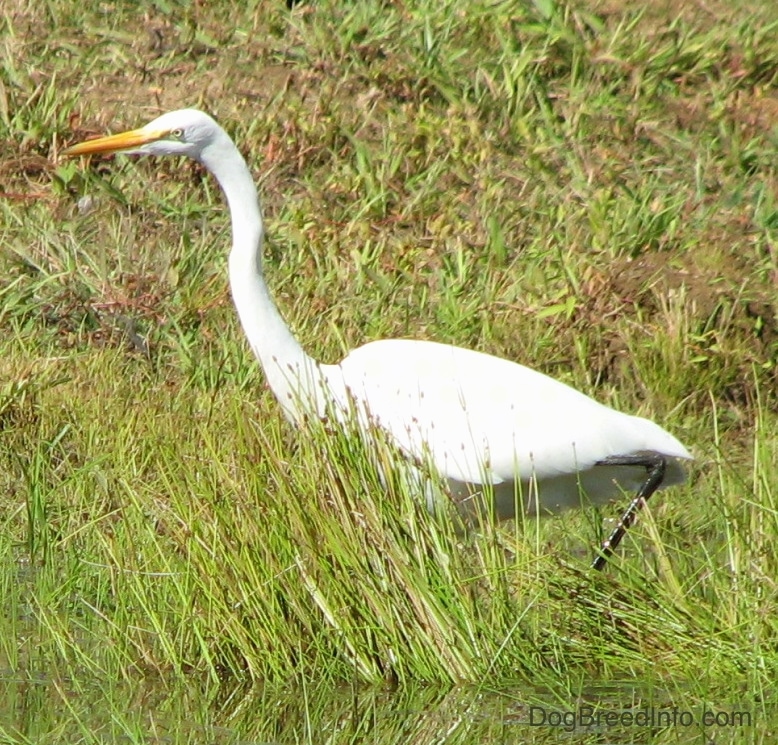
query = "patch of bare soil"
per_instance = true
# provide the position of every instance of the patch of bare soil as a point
(727, 302)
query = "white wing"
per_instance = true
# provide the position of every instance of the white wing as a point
(481, 417)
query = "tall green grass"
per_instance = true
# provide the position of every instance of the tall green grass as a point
(273, 554)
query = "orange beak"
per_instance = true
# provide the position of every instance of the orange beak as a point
(119, 143)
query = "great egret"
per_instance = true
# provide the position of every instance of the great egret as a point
(479, 419)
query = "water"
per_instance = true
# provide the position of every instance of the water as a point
(39, 709)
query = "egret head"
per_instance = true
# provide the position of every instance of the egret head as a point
(184, 132)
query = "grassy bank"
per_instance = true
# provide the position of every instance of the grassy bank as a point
(587, 190)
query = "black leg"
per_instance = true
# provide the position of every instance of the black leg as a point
(655, 470)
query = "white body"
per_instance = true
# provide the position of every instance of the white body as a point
(478, 419)
(482, 419)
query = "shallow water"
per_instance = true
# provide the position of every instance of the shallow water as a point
(39, 709)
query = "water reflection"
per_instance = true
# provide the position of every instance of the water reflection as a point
(41, 710)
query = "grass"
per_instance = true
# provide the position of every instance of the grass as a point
(590, 190)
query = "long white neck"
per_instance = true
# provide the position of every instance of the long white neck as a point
(292, 375)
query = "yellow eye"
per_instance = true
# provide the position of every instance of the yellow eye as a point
(177, 134)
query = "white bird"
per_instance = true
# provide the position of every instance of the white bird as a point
(485, 424)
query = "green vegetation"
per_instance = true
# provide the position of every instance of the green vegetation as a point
(590, 191)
